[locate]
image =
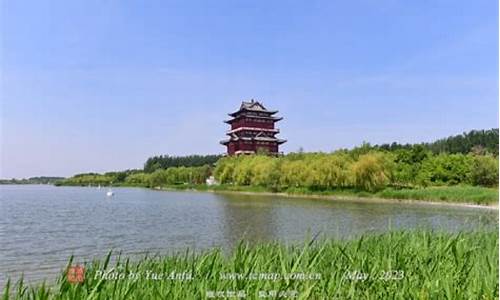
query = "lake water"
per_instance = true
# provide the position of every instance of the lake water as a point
(41, 226)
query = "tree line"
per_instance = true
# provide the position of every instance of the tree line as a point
(470, 158)
(477, 141)
(160, 177)
(166, 161)
(361, 168)
(32, 180)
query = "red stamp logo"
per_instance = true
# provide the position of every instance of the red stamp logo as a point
(76, 274)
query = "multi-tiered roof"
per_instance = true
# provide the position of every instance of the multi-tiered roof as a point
(252, 128)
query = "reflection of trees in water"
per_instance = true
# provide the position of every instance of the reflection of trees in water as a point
(256, 218)
(356, 218)
(247, 217)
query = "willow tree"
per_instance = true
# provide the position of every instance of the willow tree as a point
(372, 171)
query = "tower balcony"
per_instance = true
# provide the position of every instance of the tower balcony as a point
(273, 130)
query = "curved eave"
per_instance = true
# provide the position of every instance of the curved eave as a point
(275, 119)
(225, 142)
(271, 140)
(255, 129)
(270, 112)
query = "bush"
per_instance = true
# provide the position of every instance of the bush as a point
(484, 171)
(408, 163)
(140, 179)
(158, 178)
(445, 169)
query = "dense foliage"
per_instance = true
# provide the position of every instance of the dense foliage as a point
(32, 180)
(160, 177)
(180, 175)
(361, 168)
(108, 178)
(401, 173)
(477, 141)
(165, 161)
(394, 265)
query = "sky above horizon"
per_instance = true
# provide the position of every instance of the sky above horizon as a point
(103, 85)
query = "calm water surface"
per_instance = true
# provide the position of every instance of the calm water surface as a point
(41, 226)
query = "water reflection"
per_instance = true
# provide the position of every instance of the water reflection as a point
(41, 226)
(244, 218)
(288, 219)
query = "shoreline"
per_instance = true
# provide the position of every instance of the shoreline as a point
(354, 199)
(340, 198)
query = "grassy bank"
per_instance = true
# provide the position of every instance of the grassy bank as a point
(463, 194)
(453, 194)
(396, 265)
(457, 194)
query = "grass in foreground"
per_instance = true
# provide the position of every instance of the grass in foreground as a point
(396, 265)
(459, 194)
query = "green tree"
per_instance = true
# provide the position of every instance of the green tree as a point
(484, 171)
(445, 169)
(224, 169)
(265, 171)
(139, 179)
(372, 171)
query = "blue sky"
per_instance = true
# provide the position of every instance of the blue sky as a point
(102, 85)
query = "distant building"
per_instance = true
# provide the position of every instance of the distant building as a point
(252, 130)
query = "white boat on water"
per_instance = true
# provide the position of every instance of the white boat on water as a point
(110, 193)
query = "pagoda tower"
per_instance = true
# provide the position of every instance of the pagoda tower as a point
(252, 129)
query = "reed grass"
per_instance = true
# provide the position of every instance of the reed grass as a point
(463, 194)
(433, 265)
